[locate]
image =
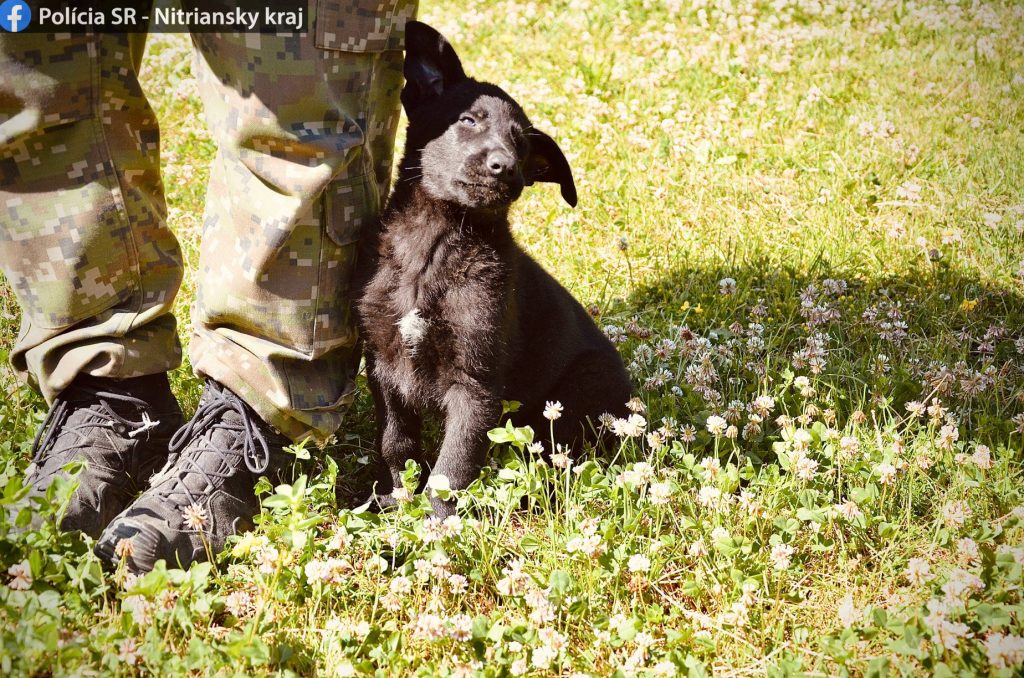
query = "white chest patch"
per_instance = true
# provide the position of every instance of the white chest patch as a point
(412, 327)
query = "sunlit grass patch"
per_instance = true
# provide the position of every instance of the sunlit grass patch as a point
(801, 222)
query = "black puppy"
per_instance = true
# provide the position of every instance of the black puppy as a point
(455, 316)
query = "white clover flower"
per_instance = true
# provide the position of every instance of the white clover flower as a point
(139, 608)
(644, 472)
(712, 467)
(763, 405)
(916, 408)
(194, 517)
(638, 424)
(589, 545)
(655, 440)
(21, 576)
(967, 551)
(782, 556)
(438, 482)
(552, 638)
(918, 571)
(461, 627)
(727, 286)
(552, 410)
(948, 634)
(128, 651)
(708, 495)
(400, 585)
(1004, 651)
(125, 548)
(432, 530)
(716, 425)
(345, 670)
(982, 457)
(542, 657)
(886, 473)
(948, 435)
(660, 493)
(849, 510)
(428, 626)
(639, 563)
(457, 583)
(561, 460)
(961, 584)
(955, 513)
(316, 571)
(452, 526)
(267, 558)
(804, 467)
(535, 448)
(636, 405)
(665, 668)
(631, 427)
(849, 447)
(401, 495)
(239, 604)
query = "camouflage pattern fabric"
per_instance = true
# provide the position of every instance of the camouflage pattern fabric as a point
(305, 128)
(82, 235)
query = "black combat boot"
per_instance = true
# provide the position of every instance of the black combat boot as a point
(205, 493)
(120, 429)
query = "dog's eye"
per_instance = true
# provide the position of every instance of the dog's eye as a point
(468, 120)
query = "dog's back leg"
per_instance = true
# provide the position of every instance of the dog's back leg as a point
(590, 386)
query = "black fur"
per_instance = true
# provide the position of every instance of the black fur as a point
(455, 316)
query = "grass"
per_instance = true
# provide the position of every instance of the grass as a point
(800, 217)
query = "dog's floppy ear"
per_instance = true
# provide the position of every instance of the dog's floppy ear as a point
(546, 162)
(431, 65)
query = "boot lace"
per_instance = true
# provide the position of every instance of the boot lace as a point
(248, 438)
(101, 403)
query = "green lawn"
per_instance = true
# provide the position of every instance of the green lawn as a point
(803, 221)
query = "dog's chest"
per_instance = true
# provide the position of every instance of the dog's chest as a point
(426, 316)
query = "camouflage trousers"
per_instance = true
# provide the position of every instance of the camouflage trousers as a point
(304, 126)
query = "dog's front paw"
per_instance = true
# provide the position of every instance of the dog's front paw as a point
(380, 502)
(442, 507)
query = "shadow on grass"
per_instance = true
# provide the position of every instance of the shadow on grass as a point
(951, 321)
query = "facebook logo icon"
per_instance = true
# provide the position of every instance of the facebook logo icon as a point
(15, 15)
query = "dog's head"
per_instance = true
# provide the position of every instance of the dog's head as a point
(476, 146)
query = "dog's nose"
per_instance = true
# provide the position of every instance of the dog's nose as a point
(501, 164)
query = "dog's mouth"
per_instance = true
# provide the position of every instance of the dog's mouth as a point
(487, 193)
(490, 186)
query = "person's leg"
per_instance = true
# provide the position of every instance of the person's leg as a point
(84, 247)
(83, 242)
(305, 128)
